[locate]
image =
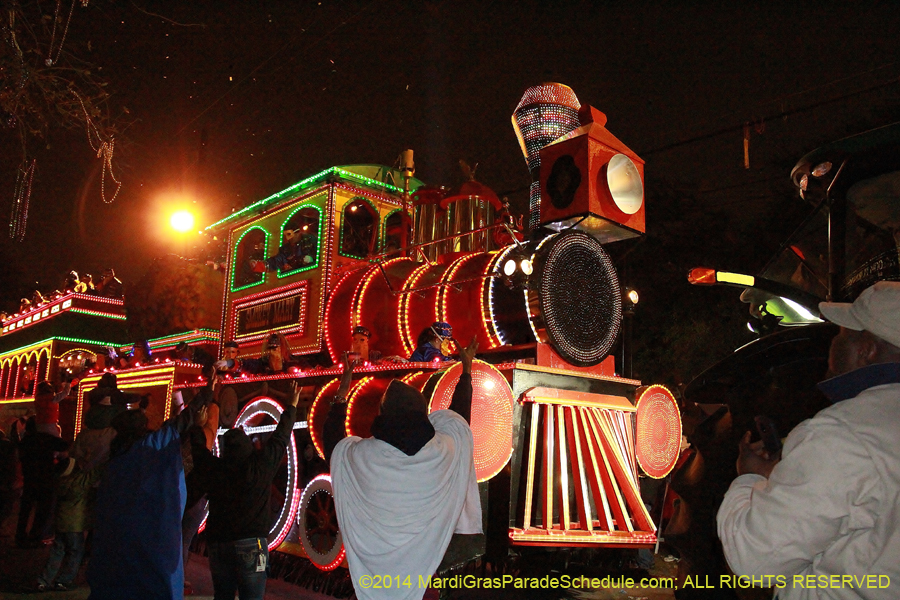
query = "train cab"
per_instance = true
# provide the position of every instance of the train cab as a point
(286, 252)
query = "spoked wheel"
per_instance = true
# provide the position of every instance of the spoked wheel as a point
(318, 527)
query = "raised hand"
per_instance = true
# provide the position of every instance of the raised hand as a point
(754, 458)
(346, 376)
(467, 354)
(201, 417)
(295, 393)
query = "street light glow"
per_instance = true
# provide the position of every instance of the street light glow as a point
(182, 221)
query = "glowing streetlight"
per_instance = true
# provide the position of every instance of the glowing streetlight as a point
(182, 221)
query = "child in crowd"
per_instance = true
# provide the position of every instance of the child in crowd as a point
(72, 518)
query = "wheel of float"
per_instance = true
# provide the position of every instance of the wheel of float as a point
(317, 525)
(261, 416)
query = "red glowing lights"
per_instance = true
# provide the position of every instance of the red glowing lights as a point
(657, 431)
(492, 416)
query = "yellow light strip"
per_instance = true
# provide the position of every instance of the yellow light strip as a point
(16, 401)
(130, 374)
(596, 480)
(406, 334)
(354, 394)
(532, 451)
(27, 349)
(603, 401)
(564, 518)
(582, 374)
(579, 477)
(312, 411)
(67, 352)
(735, 278)
(140, 384)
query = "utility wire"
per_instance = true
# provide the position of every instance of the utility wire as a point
(268, 59)
(782, 114)
(785, 97)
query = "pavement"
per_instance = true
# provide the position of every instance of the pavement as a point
(19, 569)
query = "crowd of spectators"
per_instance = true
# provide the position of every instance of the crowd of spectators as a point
(133, 499)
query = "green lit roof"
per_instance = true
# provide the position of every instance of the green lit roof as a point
(378, 177)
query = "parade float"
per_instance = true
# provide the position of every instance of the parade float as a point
(561, 439)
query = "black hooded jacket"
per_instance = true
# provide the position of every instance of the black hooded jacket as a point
(238, 484)
(407, 431)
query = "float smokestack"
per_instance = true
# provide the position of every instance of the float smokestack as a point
(545, 113)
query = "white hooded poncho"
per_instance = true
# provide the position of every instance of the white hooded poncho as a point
(397, 513)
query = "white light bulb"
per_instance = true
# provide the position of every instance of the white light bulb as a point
(526, 266)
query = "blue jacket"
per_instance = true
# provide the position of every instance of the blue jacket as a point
(427, 353)
(137, 537)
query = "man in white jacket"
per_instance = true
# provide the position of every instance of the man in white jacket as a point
(401, 494)
(824, 520)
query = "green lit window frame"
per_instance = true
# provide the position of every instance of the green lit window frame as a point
(378, 233)
(234, 257)
(384, 226)
(309, 203)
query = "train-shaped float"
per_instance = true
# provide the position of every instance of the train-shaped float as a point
(560, 439)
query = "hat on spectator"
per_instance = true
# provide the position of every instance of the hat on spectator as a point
(131, 422)
(400, 398)
(877, 310)
(360, 330)
(236, 446)
(442, 330)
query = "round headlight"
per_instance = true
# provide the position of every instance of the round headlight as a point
(526, 266)
(625, 185)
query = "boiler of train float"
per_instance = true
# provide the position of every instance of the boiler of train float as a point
(558, 436)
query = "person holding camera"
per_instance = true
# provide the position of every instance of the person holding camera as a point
(830, 504)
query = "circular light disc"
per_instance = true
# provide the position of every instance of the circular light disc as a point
(492, 414)
(657, 431)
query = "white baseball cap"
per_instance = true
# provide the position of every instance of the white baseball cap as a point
(877, 310)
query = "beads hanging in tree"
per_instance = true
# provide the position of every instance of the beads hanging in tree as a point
(19, 215)
(104, 148)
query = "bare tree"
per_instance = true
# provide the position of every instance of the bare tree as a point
(44, 85)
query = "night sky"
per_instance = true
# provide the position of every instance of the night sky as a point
(230, 101)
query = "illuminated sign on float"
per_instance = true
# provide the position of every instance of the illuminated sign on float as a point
(273, 312)
(269, 315)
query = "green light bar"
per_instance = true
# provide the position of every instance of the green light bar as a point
(97, 313)
(186, 334)
(300, 185)
(59, 339)
(367, 180)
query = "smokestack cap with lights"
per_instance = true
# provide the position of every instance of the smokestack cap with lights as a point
(545, 113)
